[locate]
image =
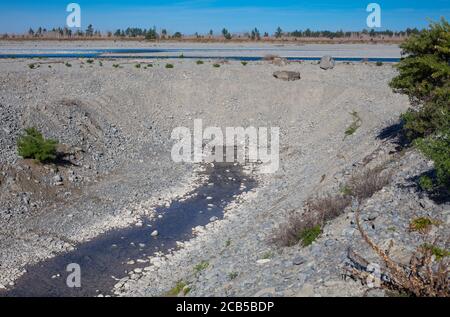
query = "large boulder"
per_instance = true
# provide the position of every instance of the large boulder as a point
(327, 62)
(287, 75)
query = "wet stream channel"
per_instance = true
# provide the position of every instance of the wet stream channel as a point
(104, 259)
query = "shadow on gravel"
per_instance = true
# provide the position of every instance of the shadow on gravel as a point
(395, 134)
(439, 195)
(104, 259)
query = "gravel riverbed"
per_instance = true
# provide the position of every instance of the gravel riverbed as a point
(114, 122)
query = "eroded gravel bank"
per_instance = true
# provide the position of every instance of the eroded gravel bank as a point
(121, 119)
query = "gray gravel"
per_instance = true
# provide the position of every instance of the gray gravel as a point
(116, 125)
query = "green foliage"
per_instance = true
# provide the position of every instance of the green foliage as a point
(437, 148)
(244, 63)
(426, 183)
(233, 276)
(68, 64)
(422, 122)
(151, 34)
(201, 266)
(137, 65)
(116, 65)
(308, 236)
(379, 63)
(437, 252)
(33, 66)
(90, 61)
(216, 65)
(345, 190)
(426, 69)
(227, 35)
(169, 66)
(177, 35)
(200, 63)
(421, 224)
(180, 287)
(424, 75)
(34, 145)
(356, 124)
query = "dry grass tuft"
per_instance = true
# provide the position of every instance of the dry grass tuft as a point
(288, 234)
(321, 209)
(365, 184)
(328, 207)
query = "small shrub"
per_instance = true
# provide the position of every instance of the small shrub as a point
(267, 255)
(90, 61)
(180, 287)
(169, 66)
(33, 66)
(116, 65)
(201, 266)
(308, 236)
(68, 64)
(379, 63)
(181, 56)
(422, 225)
(200, 62)
(438, 253)
(149, 65)
(137, 65)
(33, 145)
(100, 63)
(233, 276)
(244, 63)
(227, 243)
(216, 65)
(344, 190)
(426, 183)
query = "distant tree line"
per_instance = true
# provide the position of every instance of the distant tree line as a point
(254, 34)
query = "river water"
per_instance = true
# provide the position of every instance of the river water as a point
(104, 259)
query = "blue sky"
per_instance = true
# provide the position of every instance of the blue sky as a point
(189, 16)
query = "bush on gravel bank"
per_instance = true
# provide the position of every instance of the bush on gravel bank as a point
(425, 78)
(33, 145)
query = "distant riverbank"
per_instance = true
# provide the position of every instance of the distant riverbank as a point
(248, 51)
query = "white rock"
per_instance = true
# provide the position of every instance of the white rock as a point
(155, 233)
